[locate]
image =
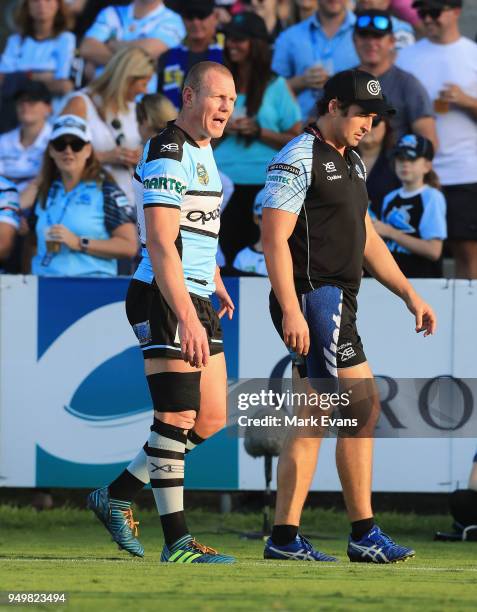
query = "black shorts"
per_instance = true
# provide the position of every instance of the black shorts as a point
(334, 341)
(461, 211)
(156, 326)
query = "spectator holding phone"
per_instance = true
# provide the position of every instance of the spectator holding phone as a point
(82, 221)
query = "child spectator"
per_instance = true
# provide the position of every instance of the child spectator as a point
(9, 218)
(153, 113)
(413, 218)
(21, 150)
(251, 259)
(42, 50)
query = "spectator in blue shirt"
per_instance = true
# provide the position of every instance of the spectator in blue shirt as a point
(147, 24)
(265, 118)
(201, 44)
(82, 220)
(41, 50)
(311, 51)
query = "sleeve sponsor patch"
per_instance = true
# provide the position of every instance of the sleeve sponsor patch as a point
(284, 168)
(165, 183)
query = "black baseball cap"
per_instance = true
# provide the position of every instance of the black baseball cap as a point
(33, 91)
(377, 22)
(358, 87)
(412, 146)
(417, 4)
(195, 9)
(246, 25)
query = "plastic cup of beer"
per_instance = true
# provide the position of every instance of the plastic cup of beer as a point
(441, 106)
(52, 246)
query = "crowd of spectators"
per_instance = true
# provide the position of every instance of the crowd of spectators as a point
(84, 84)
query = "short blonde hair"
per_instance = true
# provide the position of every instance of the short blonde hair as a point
(125, 65)
(157, 110)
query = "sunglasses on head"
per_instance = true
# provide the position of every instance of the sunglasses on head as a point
(378, 22)
(60, 144)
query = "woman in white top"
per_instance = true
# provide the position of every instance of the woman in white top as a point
(108, 105)
(42, 49)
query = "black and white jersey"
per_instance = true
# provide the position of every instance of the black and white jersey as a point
(327, 191)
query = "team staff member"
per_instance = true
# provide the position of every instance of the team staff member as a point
(316, 236)
(179, 194)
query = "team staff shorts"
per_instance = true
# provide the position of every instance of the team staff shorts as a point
(156, 326)
(334, 340)
(461, 211)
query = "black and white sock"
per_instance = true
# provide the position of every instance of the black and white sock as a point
(193, 440)
(165, 452)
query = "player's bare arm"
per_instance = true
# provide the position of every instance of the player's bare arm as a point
(380, 263)
(226, 305)
(162, 227)
(277, 227)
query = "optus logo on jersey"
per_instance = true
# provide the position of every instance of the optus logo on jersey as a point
(168, 183)
(199, 215)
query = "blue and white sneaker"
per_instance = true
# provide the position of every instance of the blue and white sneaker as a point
(377, 547)
(298, 550)
(187, 550)
(116, 515)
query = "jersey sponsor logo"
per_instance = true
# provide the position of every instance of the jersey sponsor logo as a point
(199, 215)
(284, 168)
(165, 183)
(278, 178)
(172, 147)
(329, 167)
(374, 87)
(202, 174)
(334, 177)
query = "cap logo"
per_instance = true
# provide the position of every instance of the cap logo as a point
(409, 140)
(374, 88)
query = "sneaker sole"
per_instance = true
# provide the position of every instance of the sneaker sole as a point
(401, 560)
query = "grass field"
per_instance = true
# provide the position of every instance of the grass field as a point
(69, 551)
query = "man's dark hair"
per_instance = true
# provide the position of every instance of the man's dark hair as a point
(322, 106)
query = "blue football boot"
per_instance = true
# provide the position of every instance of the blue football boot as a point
(377, 547)
(300, 549)
(187, 550)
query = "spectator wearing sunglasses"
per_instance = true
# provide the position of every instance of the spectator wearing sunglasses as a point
(375, 45)
(82, 220)
(403, 31)
(308, 53)
(200, 44)
(446, 63)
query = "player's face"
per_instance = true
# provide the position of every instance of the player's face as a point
(214, 103)
(353, 126)
(373, 50)
(411, 171)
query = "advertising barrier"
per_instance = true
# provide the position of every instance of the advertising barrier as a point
(75, 408)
